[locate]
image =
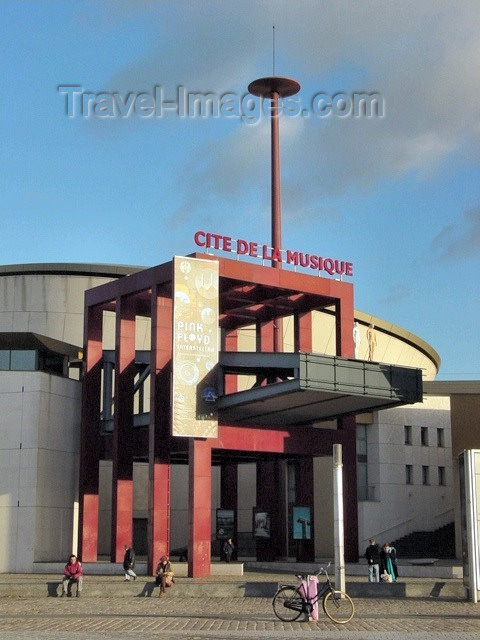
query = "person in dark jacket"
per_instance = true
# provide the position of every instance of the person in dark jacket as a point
(72, 574)
(129, 563)
(372, 555)
(228, 549)
(388, 562)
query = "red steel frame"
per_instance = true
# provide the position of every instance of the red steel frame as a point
(149, 292)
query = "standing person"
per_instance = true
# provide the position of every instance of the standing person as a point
(372, 341)
(164, 575)
(388, 562)
(72, 574)
(372, 555)
(356, 339)
(129, 563)
(228, 549)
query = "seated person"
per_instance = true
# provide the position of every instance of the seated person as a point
(164, 574)
(72, 574)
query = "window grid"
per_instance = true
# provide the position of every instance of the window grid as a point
(440, 437)
(441, 476)
(424, 436)
(425, 475)
(408, 434)
(409, 474)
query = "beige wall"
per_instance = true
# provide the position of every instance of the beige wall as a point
(465, 422)
(38, 468)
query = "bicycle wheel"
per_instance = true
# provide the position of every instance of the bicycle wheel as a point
(287, 604)
(338, 606)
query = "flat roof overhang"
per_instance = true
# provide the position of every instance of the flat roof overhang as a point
(312, 388)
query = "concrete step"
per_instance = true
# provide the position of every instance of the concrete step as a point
(116, 569)
(250, 585)
(408, 568)
(449, 589)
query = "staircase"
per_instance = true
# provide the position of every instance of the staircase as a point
(427, 544)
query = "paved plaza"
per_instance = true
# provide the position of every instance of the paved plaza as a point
(229, 618)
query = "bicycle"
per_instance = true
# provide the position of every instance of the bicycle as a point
(291, 601)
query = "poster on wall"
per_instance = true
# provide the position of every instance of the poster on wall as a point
(301, 523)
(261, 524)
(195, 347)
(225, 524)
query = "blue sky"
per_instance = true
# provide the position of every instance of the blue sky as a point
(399, 196)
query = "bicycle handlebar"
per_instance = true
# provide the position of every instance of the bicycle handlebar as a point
(304, 576)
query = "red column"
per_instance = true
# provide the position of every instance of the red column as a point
(303, 338)
(344, 316)
(122, 472)
(90, 436)
(159, 430)
(231, 344)
(265, 341)
(200, 507)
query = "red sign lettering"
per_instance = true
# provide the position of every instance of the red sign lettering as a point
(296, 258)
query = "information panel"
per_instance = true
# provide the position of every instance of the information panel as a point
(469, 467)
(195, 348)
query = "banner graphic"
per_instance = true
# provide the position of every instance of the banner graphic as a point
(195, 348)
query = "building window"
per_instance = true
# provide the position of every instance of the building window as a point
(425, 475)
(408, 434)
(23, 360)
(409, 474)
(364, 491)
(441, 476)
(424, 436)
(33, 360)
(4, 360)
(440, 437)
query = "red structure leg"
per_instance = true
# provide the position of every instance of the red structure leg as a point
(231, 344)
(159, 430)
(122, 468)
(303, 339)
(200, 507)
(90, 437)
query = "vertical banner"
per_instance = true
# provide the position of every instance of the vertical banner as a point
(195, 348)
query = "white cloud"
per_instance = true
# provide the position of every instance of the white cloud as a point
(422, 57)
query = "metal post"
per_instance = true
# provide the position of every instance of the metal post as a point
(471, 498)
(275, 174)
(338, 517)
